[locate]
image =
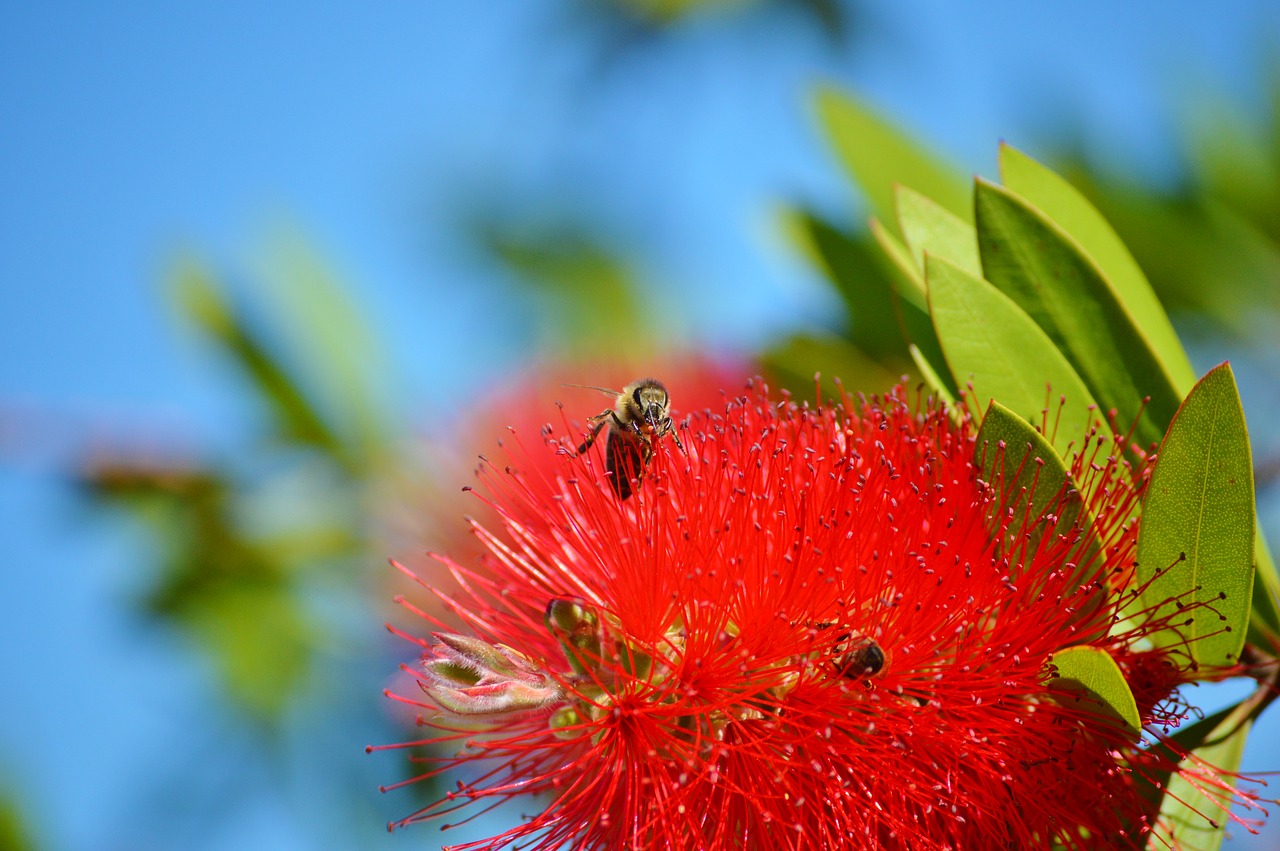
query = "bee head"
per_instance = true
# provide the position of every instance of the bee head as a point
(649, 399)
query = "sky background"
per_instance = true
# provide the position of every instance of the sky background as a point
(132, 134)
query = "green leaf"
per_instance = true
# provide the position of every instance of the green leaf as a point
(1265, 606)
(15, 833)
(201, 298)
(1031, 260)
(1092, 671)
(929, 227)
(909, 278)
(1196, 538)
(339, 358)
(1190, 819)
(912, 301)
(858, 272)
(876, 155)
(1029, 476)
(988, 340)
(794, 364)
(263, 642)
(582, 289)
(931, 377)
(1071, 211)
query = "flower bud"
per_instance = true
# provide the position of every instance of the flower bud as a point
(472, 677)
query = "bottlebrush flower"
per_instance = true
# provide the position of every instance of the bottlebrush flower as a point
(812, 628)
(429, 513)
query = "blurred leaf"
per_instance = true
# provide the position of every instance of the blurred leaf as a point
(1030, 478)
(876, 155)
(220, 586)
(262, 642)
(908, 277)
(1265, 603)
(1193, 820)
(336, 351)
(587, 293)
(1092, 671)
(1032, 261)
(930, 228)
(1200, 255)
(1069, 210)
(1195, 542)
(859, 275)
(202, 300)
(136, 484)
(912, 302)
(669, 12)
(1236, 165)
(14, 833)
(793, 365)
(989, 341)
(836, 18)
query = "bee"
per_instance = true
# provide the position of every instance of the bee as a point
(857, 656)
(640, 415)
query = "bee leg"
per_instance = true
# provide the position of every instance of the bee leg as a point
(595, 431)
(633, 426)
(667, 427)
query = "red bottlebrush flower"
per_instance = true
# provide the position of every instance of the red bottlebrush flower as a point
(430, 515)
(809, 628)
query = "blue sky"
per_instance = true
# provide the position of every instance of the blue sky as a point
(133, 132)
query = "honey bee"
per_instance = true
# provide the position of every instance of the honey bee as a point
(857, 656)
(640, 415)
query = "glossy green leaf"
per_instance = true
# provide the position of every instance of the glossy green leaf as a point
(876, 154)
(990, 342)
(1071, 211)
(1195, 543)
(856, 269)
(1030, 477)
(1092, 671)
(1189, 819)
(929, 227)
(1035, 263)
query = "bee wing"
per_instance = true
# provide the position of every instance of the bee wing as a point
(605, 390)
(625, 458)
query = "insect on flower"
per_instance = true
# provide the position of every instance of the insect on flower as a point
(641, 414)
(811, 636)
(858, 656)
